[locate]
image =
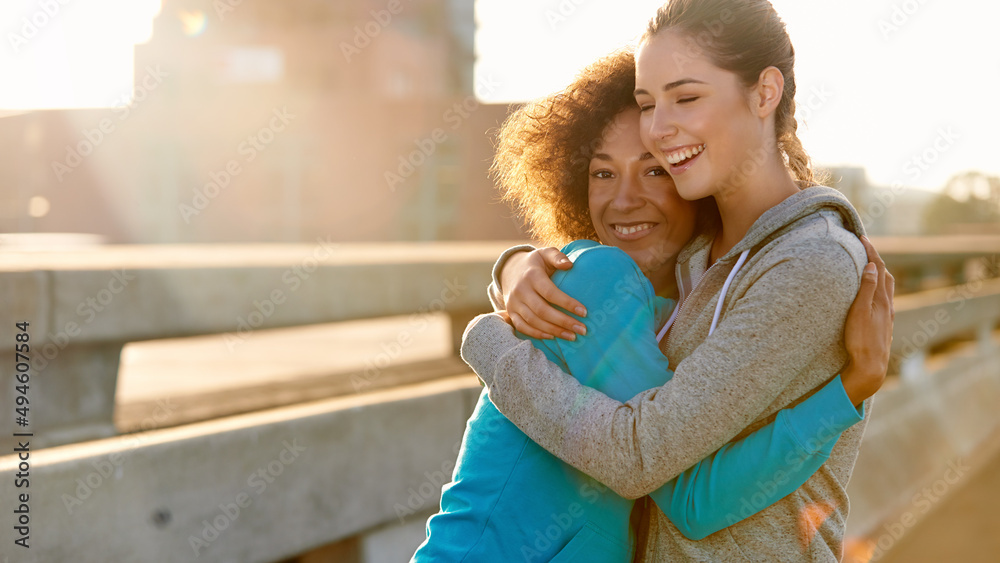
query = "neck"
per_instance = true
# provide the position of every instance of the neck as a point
(663, 279)
(745, 198)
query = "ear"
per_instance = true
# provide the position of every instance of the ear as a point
(768, 91)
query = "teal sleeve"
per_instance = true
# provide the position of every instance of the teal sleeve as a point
(620, 357)
(746, 476)
(619, 354)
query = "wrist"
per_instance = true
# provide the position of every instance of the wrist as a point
(857, 384)
(510, 270)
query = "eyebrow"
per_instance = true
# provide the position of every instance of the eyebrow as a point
(607, 157)
(672, 85)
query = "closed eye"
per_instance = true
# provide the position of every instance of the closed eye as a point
(689, 99)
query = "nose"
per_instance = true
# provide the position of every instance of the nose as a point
(660, 124)
(628, 195)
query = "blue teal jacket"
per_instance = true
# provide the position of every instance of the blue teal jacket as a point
(511, 500)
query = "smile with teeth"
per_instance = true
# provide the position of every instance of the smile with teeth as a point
(634, 228)
(681, 155)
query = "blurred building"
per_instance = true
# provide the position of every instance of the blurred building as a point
(885, 211)
(258, 121)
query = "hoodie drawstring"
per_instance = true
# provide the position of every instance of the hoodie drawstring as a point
(718, 307)
(725, 288)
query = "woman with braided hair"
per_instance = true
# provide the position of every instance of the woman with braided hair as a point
(763, 296)
(571, 162)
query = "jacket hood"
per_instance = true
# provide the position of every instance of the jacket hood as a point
(793, 208)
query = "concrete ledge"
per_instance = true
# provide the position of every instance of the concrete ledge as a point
(124, 294)
(26, 296)
(920, 435)
(906, 252)
(307, 476)
(929, 318)
(84, 306)
(129, 293)
(72, 400)
(149, 414)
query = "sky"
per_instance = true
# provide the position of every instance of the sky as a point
(905, 88)
(908, 89)
(67, 53)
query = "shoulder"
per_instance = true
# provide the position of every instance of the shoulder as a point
(820, 240)
(813, 255)
(594, 257)
(599, 268)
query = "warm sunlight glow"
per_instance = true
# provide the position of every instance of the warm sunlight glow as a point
(38, 206)
(194, 22)
(67, 54)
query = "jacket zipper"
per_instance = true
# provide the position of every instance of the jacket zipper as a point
(681, 311)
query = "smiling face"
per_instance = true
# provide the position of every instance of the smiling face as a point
(633, 202)
(696, 117)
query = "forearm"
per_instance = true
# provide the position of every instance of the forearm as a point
(574, 422)
(752, 473)
(637, 446)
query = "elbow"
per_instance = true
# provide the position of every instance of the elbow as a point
(696, 535)
(691, 528)
(645, 481)
(695, 524)
(630, 494)
(692, 531)
(626, 489)
(623, 489)
(633, 490)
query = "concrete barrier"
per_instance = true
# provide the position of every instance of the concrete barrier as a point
(251, 488)
(242, 488)
(920, 263)
(925, 437)
(83, 307)
(359, 471)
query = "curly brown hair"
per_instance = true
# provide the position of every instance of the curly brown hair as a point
(544, 148)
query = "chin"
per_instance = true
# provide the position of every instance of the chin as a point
(693, 191)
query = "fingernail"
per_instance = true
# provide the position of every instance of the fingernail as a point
(581, 311)
(870, 269)
(864, 237)
(580, 329)
(564, 261)
(569, 336)
(547, 336)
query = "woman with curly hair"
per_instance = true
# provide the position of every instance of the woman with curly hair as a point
(571, 163)
(763, 295)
